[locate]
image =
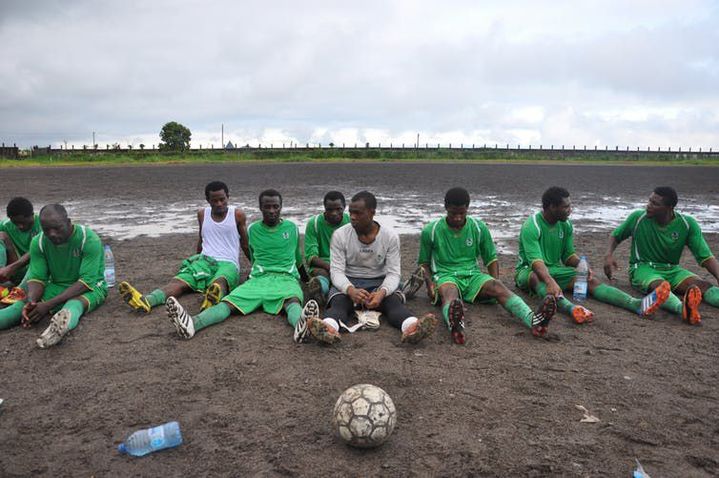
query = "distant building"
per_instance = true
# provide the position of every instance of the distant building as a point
(229, 145)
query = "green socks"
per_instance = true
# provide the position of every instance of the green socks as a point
(3, 254)
(10, 315)
(518, 308)
(445, 313)
(611, 295)
(156, 297)
(76, 309)
(673, 304)
(213, 315)
(711, 296)
(294, 310)
(563, 303)
(325, 284)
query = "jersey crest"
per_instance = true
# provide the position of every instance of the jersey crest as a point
(469, 242)
(285, 235)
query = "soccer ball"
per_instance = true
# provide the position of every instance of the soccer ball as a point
(364, 416)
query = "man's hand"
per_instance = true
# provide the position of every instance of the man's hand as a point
(358, 296)
(34, 312)
(375, 299)
(6, 273)
(25, 320)
(554, 289)
(610, 265)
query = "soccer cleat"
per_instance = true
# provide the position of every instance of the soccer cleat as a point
(456, 321)
(542, 316)
(133, 297)
(58, 328)
(581, 314)
(213, 294)
(310, 310)
(15, 294)
(314, 290)
(180, 318)
(652, 301)
(420, 330)
(4, 291)
(412, 286)
(322, 331)
(690, 305)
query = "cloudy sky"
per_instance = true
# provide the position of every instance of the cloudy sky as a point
(632, 73)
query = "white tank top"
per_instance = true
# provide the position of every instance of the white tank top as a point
(220, 240)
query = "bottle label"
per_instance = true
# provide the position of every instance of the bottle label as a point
(580, 288)
(156, 436)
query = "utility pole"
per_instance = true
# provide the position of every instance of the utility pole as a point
(223, 135)
(93, 139)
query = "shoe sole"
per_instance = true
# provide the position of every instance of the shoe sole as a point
(132, 297)
(319, 331)
(175, 311)
(425, 327)
(15, 295)
(414, 284)
(310, 310)
(213, 294)
(456, 321)
(690, 305)
(582, 315)
(657, 297)
(57, 329)
(545, 312)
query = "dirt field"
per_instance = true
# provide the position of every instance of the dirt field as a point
(252, 403)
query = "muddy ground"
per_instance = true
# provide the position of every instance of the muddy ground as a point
(252, 403)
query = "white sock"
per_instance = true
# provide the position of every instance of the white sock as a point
(332, 323)
(408, 322)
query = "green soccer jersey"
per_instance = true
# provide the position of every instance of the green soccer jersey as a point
(21, 239)
(540, 241)
(318, 234)
(662, 245)
(274, 249)
(456, 252)
(81, 258)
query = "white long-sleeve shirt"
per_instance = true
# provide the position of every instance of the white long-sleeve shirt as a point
(350, 257)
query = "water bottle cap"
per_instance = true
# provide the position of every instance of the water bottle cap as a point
(121, 448)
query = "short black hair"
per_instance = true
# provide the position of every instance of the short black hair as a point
(333, 196)
(668, 194)
(553, 196)
(456, 197)
(58, 209)
(370, 201)
(19, 206)
(215, 186)
(270, 193)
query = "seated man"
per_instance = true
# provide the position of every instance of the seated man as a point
(66, 277)
(273, 284)
(659, 234)
(448, 253)
(318, 234)
(215, 269)
(365, 271)
(16, 232)
(547, 262)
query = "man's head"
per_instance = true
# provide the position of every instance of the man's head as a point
(362, 209)
(556, 203)
(55, 223)
(21, 213)
(456, 202)
(270, 206)
(662, 201)
(334, 203)
(217, 196)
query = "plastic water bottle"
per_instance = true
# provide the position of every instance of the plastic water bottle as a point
(581, 280)
(109, 267)
(146, 441)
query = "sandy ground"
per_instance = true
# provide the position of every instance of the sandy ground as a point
(252, 403)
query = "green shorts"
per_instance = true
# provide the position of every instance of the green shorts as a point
(268, 291)
(199, 272)
(469, 285)
(642, 275)
(93, 298)
(563, 275)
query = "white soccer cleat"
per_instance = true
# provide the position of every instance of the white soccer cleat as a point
(311, 309)
(180, 318)
(58, 328)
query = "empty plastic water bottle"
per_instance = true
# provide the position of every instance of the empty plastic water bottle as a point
(109, 267)
(581, 280)
(146, 441)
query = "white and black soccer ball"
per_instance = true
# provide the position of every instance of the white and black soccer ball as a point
(364, 416)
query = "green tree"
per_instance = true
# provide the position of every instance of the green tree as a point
(175, 137)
